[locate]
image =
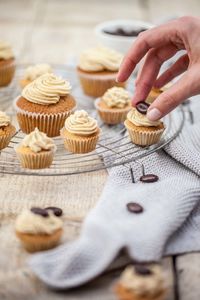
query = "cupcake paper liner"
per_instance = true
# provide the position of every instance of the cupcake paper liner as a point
(47, 123)
(95, 86)
(7, 72)
(111, 116)
(5, 138)
(39, 160)
(144, 138)
(75, 144)
(39, 242)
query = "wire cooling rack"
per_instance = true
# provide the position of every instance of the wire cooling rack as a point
(113, 149)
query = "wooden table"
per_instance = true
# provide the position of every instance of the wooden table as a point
(54, 32)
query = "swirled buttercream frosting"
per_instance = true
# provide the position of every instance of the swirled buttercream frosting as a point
(4, 119)
(38, 141)
(80, 123)
(5, 50)
(31, 223)
(46, 89)
(100, 59)
(33, 72)
(139, 119)
(116, 97)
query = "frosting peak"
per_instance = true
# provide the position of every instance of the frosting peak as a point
(5, 50)
(116, 97)
(46, 89)
(4, 119)
(33, 72)
(100, 59)
(38, 141)
(139, 119)
(81, 123)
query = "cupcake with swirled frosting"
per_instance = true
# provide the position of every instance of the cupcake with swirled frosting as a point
(7, 130)
(142, 131)
(45, 103)
(97, 70)
(114, 105)
(7, 64)
(80, 133)
(33, 72)
(36, 151)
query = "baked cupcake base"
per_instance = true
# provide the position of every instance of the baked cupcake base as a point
(125, 294)
(79, 144)
(95, 84)
(111, 116)
(144, 136)
(39, 242)
(6, 133)
(7, 71)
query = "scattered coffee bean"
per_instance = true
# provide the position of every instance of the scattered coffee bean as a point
(40, 211)
(56, 210)
(134, 207)
(142, 107)
(148, 178)
(142, 270)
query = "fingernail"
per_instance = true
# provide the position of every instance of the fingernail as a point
(154, 114)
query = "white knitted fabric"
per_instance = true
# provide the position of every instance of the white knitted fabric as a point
(169, 224)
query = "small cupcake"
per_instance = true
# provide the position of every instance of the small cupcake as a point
(97, 70)
(81, 133)
(38, 229)
(7, 130)
(7, 64)
(142, 283)
(45, 103)
(33, 72)
(114, 105)
(36, 151)
(142, 131)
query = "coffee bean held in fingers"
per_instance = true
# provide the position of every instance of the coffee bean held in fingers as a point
(142, 107)
(40, 211)
(149, 178)
(56, 210)
(134, 207)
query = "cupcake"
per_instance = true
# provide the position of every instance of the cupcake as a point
(142, 131)
(97, 70)
(38, 229)
(80, 133)
(33, 72)
(7, 130)
(45, 103)
(114, 105)
(142, 283)
(154, 93)
(7, 64)
(36, 151)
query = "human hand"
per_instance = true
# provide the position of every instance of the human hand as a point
(159, 44)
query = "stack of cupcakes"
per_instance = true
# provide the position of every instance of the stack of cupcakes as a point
(7, 64)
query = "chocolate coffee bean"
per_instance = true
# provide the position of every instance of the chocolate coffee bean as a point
(56, 210)
(134, 207)
(142, 270)
(40, 211)
(142, 107)
(149, 178)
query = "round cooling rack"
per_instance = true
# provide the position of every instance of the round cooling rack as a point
(113, 149)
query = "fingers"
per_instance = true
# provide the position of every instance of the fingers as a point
(175, 70)
(150, 70)
(152, 38)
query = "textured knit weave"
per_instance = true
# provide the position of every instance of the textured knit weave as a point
(169, 223)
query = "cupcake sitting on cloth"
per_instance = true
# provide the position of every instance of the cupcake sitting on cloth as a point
(38, 229)
(7, 130)
(7, 64)
(142, 131)
(45, 103)
(33, 72)
(98, 69)
(80, 133)
(36, 150)
(142, 283)
(114, 105)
